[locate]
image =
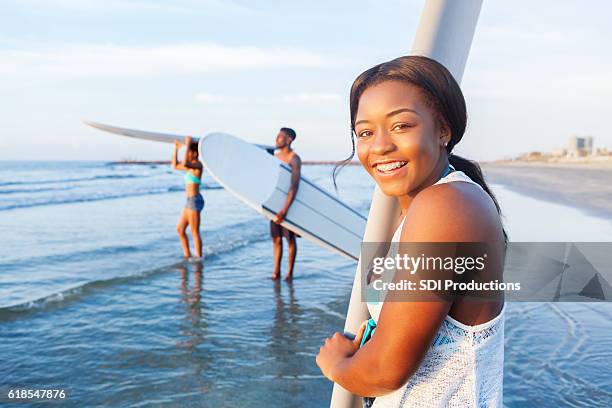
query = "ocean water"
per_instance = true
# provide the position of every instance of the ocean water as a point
(95, 298)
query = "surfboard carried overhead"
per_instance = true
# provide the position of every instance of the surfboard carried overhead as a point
(152, 136)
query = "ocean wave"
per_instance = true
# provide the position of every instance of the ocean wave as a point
(55, 300)
(71, 180)
(216, 245)
(51, 200)
(35, 190)
(211, 251)
(101, 197)
(75, 256)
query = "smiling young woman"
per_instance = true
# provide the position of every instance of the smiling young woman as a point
(407, 116)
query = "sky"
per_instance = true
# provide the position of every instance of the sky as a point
(538, 72)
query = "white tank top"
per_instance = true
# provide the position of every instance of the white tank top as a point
(464, 365)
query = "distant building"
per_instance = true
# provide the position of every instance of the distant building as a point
(578, 150)
(588, 144)
(579, 146)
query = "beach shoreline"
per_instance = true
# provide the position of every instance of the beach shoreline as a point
(585, 186)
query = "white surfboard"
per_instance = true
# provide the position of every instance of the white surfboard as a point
(262, 181)
(152, 136)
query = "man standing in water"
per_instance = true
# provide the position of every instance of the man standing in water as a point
(285, 137)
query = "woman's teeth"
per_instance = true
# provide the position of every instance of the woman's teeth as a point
(387, 167)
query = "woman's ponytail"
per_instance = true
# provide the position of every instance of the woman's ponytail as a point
(474, 172)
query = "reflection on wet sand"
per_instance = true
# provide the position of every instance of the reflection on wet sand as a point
(193, 330)
(286, 336)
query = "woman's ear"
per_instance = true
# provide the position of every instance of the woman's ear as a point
(445, 135)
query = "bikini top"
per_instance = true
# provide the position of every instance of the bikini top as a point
(191, 179)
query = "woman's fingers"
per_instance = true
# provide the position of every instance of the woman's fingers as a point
(360, 332)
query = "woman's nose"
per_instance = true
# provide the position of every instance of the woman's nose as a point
(382, 143)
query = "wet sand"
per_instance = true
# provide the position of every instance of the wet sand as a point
(586, 186)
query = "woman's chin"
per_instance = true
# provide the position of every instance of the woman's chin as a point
(394, 189)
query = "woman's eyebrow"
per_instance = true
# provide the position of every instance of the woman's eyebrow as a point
(392, 113)
(401, 110)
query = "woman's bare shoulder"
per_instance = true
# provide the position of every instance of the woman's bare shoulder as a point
(452, 212)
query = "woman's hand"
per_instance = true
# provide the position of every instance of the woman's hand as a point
(177, 145)
(188, 140)
(336, 349)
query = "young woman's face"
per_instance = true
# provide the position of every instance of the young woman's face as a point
(398, 138)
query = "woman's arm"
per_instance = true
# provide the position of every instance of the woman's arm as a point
(175, 164)
(187, 148)
(404, 333)
(406, 328)
(185, 164)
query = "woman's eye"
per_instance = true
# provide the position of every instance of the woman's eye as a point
(365, 133)
(401, 126)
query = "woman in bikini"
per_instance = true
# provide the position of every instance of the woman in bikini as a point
(190, 216)
(440, 350)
